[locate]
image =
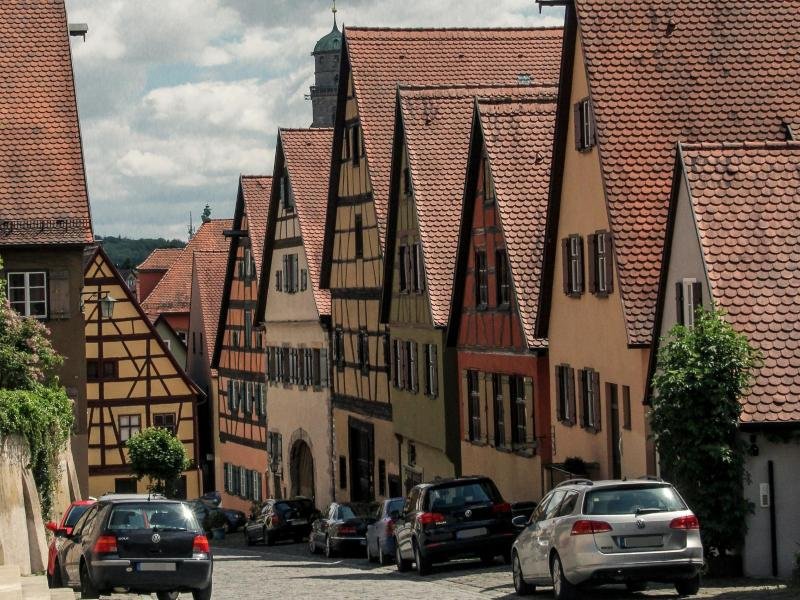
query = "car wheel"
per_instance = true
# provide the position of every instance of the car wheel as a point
(688, 587)
(520, 585)
(87, 587)
(204, 594)
(167, 595)
(636, 586)
(55, 580)
(423, 563)
(312, 545)
(329, 551)
(269, 540)
(248, 540)
(562, 588)
(403, 565)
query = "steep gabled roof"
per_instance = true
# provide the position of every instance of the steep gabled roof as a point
(160, 259)
(43, 197)
(382, 59)
(435, 124)
(746, 200)
(209, 270)
(662, 72)
(173, 294)
(256, 190)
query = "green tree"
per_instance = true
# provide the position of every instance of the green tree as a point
(702, 374)
(158, 455)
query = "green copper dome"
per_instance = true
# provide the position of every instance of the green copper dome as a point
(331, 42)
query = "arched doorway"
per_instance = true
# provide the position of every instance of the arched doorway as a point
(302, 470)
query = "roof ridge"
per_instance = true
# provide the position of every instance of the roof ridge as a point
(306, 129)
(411, 89)
(422, 29)
(500, 100)
(743, 145)
(243, 176)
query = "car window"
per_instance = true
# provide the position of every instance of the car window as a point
(568, 504)
(394, 506)
(75, 513)
(152, 515)
(411, 502)
(537, 513)
(632, 499)
(88, 515)
(379, 513)
(458, 495)
(553, 505)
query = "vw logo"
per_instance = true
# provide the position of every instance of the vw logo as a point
(468, 513)
(640, 523)
(156, 538)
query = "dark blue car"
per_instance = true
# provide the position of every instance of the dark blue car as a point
(380, 534)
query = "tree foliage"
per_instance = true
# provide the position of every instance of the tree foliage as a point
(158, 455)
(126, 253)
(703, 372)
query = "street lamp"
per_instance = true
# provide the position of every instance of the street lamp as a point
(107, 303)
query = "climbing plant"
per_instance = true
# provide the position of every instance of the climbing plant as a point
(703, 372)
(158, 455)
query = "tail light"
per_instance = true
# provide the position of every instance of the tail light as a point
(503, 507)
(200, 545)
(347, 529)
(690, 522)
(106, 544)
(430, 518)
(276, 520)
(586, 527)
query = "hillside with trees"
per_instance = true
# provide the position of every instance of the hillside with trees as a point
(127, 253)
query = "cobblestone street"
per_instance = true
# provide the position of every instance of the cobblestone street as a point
(287, 571)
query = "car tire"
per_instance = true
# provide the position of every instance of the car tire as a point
(204, 594)
(329, 551)
(562, 588)
(688, 587)
(312, 545)
(87, 586)
(636, 586)
(167, 595)
(247, 539)
(269, 540)
(403, 565)
(522, 587)
(55, 580)
(423, 563)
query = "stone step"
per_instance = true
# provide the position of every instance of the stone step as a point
(10, 583)
(62, 594)
(35, 588)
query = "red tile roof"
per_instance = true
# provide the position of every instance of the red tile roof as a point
(43, 197)
(209, 269)
(662, 72)
(256, 190)
(160, 259)
(173, 294)
(308, 159)
(437, 122)
(519, 143)
(382, 59)
(746, 199)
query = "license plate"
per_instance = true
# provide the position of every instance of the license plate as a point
(298, 521)
(642, 541)
(471, 533)
(155, 566)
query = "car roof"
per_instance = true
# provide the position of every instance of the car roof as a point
(119, 498)
(586, 484)
(451, 480)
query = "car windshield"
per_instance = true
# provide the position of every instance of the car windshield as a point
(300, 506)
(395, 506)
(75, 514)
(632, 500)
(458, 495)
(356, 511)
(152, 515)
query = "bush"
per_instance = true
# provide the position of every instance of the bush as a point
(158, 455)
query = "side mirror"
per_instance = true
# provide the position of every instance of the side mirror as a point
(64, 532)
(519, 521)
(51, 526)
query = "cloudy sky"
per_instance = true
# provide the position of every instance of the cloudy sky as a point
(178, 97)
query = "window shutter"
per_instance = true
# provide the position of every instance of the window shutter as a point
(578, 129)
(303, 280)
(592, 243)
(560, 393)
(573, 416)
(301, 367)
(579, 285)
(595, 381)
(679, 302)
(609, 262)
(295, 273)
(414, 368)
(323, 368)
(697, 297)
(279, 281)
(286, 275)
(393, 360)
(401, 379)
(582, 383)
(230, 395)
(420, 281)
(285, 365)
(434, 350)
(565, 263)
(590, 126)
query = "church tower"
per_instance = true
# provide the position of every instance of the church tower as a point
(326, 76)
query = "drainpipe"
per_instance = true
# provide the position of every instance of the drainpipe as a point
(773, 541)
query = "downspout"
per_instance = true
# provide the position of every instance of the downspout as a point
(773, 541)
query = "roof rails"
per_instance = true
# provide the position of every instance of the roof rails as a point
(576, 482)
(650, 478)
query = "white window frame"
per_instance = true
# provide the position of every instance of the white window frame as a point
(26, 303)
(688, 300)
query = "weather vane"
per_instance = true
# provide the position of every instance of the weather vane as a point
(334, 11)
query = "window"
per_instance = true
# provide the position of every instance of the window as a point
(481, 280)
(106, 369)
(260, 399)
(279, 280)
(248, 328)
(417, 279)
(27, 293)
(247, 266)
(568, 504)
(397, 366)
(402, 268)
(488, 188)
(519, 410)
(688, 298)
(308, 367)
(129, 425)
(355, 143)
(165, 421)
(474, 405)
(407, 188)
(572, 250)
(412, 377)
(303, 280)
(319, 368)
(275, 448)
(110, 369)
(584, 125)
(342, 472)
(290, 273)
(338, 348)
(626, 407)
(286, 193)
(590, 399)
(294, 364)
(92, 370)
(234, 338)
(498, 411)
(503, 278)
(359, 233)
(382, 477)
(363, 351)
(431, 370)
(601, 280)
(565, 379)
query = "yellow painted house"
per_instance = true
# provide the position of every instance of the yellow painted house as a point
(133, 382)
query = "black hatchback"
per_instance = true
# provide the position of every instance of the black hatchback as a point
(137, 545)
(453, 518)
(281, 520)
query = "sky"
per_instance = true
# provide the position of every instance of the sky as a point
(177, 98)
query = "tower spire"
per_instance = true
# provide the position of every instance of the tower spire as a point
(334, 11)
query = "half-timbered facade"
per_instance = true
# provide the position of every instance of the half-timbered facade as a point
(132, 382)
(502, 364)
(241, 451)
(373, 62)
(296, 317)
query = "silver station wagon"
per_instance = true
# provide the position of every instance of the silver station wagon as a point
(588, 533)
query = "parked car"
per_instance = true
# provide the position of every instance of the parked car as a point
(453, 518)
(60, 530)
(380, 534)
(234, 519)
(343, 528)
(586, 533)
(281, 520)
(138, 545)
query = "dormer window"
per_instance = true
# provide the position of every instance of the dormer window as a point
(572, 250)
(601, 279)
(584, 125)
(688, 298)
(286, 193)
(407, 180)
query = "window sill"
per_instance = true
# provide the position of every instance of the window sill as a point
(525, 452)
(478, 443)
(503, 449)
(566, 423)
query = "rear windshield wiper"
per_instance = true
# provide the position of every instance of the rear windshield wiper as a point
(647, 511)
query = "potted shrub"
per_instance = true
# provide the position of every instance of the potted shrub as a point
(215, 524)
